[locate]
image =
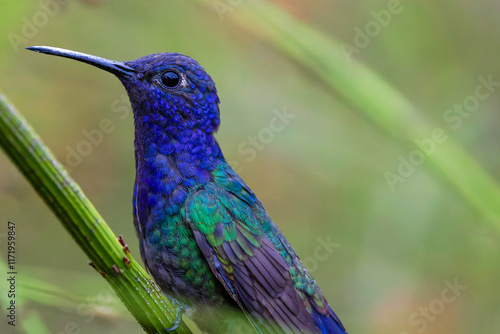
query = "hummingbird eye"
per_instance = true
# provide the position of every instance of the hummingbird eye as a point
(170, 79)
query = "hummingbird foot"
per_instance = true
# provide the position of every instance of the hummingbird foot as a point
(177, 321)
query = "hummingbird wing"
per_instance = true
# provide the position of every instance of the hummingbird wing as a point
(247, 253)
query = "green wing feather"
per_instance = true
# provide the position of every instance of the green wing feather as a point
(234, 233)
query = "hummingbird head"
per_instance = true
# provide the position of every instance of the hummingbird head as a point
(169, 90)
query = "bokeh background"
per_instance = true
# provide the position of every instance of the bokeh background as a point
(384, 257)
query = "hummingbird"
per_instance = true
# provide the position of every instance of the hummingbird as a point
(204, 236)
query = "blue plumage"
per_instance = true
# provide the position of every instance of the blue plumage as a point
(204, 235)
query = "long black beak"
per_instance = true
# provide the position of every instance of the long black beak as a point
(117, 68)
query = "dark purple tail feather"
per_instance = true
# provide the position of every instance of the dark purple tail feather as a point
(328, 323)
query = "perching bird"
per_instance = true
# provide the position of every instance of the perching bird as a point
(204, 236)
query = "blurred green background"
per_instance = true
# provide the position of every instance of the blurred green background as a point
(321, 177)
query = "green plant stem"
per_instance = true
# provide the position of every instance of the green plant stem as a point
(64, 197)
(32, 323)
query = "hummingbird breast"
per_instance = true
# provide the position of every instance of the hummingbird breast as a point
(171, 254)
(165, 177)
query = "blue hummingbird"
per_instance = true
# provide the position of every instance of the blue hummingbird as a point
(204, 236)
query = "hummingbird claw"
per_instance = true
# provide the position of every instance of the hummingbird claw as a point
(177, 321)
